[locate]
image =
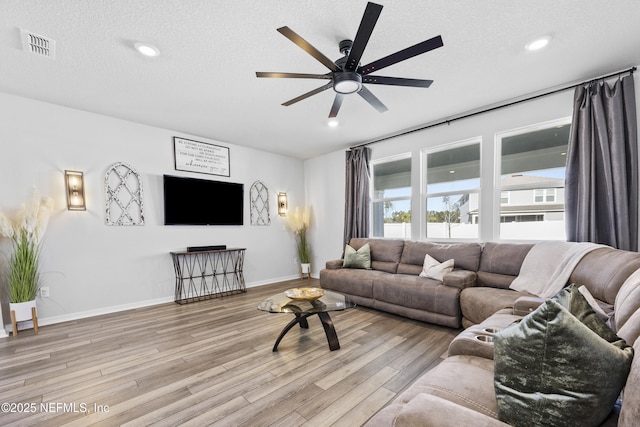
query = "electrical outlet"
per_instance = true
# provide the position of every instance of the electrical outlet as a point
(44, 292)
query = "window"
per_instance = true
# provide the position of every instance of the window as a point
(391, 198)
(532, 172)
(453, 191)
(504, 197)
(544, 195)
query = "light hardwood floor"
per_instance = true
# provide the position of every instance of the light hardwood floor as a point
(210, 363)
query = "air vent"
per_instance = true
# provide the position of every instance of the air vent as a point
(38, 45)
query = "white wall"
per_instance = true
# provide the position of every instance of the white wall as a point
(325, 181)
(91, 267)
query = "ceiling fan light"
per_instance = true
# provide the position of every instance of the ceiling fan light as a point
(347, 82)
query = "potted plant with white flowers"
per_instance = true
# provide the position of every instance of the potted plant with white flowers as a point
(299, 223)
(25, 231)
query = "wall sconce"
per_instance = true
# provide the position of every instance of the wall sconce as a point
(283, 205)
(74, 183)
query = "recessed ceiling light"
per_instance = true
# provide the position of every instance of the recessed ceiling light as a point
(452, 171)
(147, 49)
(333, 123)
(538, 43)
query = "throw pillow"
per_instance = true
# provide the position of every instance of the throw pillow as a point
(360, 258)
(561, 365)
(593, 303)
(434, 269)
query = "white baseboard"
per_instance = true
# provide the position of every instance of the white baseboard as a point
(105, 310)
(114, 309)
(276, 280)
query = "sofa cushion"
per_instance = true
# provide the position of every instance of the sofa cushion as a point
(630, 411)
(385, 253)
(503, 258)
(559, 366)
(604, 270)
(479, 303)
(434, 269)
(350, 281)
(630, 331)
(627, 301)
(466, 255)
(360, 258)
(464, 380)
(494, 280)
(500, 263)
(427, 410)
(417, 292)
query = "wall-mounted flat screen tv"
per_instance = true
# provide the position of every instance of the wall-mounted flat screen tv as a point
(192, 201)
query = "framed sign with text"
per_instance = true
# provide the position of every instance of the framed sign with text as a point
(194, 156)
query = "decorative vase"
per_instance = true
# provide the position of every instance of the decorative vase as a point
(305, 268)
(23, 312)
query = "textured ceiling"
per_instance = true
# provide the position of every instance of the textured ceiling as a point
(204, 82)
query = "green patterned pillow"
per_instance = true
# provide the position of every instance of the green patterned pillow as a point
(561, 365)
(357, 259)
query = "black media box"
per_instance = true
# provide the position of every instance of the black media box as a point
(206, 248)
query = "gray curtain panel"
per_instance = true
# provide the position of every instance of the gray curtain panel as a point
(602, 166)
(356, 212)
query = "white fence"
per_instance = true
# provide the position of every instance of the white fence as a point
(535, 230)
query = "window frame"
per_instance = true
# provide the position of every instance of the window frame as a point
(373, 200)
(497, 168)
(424, 153)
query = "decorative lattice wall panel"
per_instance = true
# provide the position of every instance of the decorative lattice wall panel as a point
(123, 191)
(259, 195)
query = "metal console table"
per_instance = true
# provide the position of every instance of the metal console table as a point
(208, 274)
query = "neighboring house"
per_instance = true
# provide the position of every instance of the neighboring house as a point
(522, 199)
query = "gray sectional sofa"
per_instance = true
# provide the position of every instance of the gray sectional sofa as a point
(476, 295)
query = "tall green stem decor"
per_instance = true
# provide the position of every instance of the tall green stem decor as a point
(298, 223)
(25, 230)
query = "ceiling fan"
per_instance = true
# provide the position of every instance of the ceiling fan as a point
(346, 75)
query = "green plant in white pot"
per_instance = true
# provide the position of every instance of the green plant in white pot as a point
(25, 231)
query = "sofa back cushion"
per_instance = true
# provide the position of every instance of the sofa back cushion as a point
(603, 271)
(465, 255)
(630, 411)
(500, 263)
(626, 314)
(385, 253)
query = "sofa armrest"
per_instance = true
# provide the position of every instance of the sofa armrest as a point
(335, 264)
(460, 279)
(525, 305)
(428, 410)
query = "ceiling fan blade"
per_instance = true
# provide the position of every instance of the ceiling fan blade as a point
(337, 103)
(371, 99)
(293, 75)
(396, 81)
(403, 54)
(308, 94)
(369, 19)
(306, 46)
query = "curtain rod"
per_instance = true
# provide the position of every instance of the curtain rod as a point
(497, 107)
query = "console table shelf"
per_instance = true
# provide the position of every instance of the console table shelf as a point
(204, 275)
